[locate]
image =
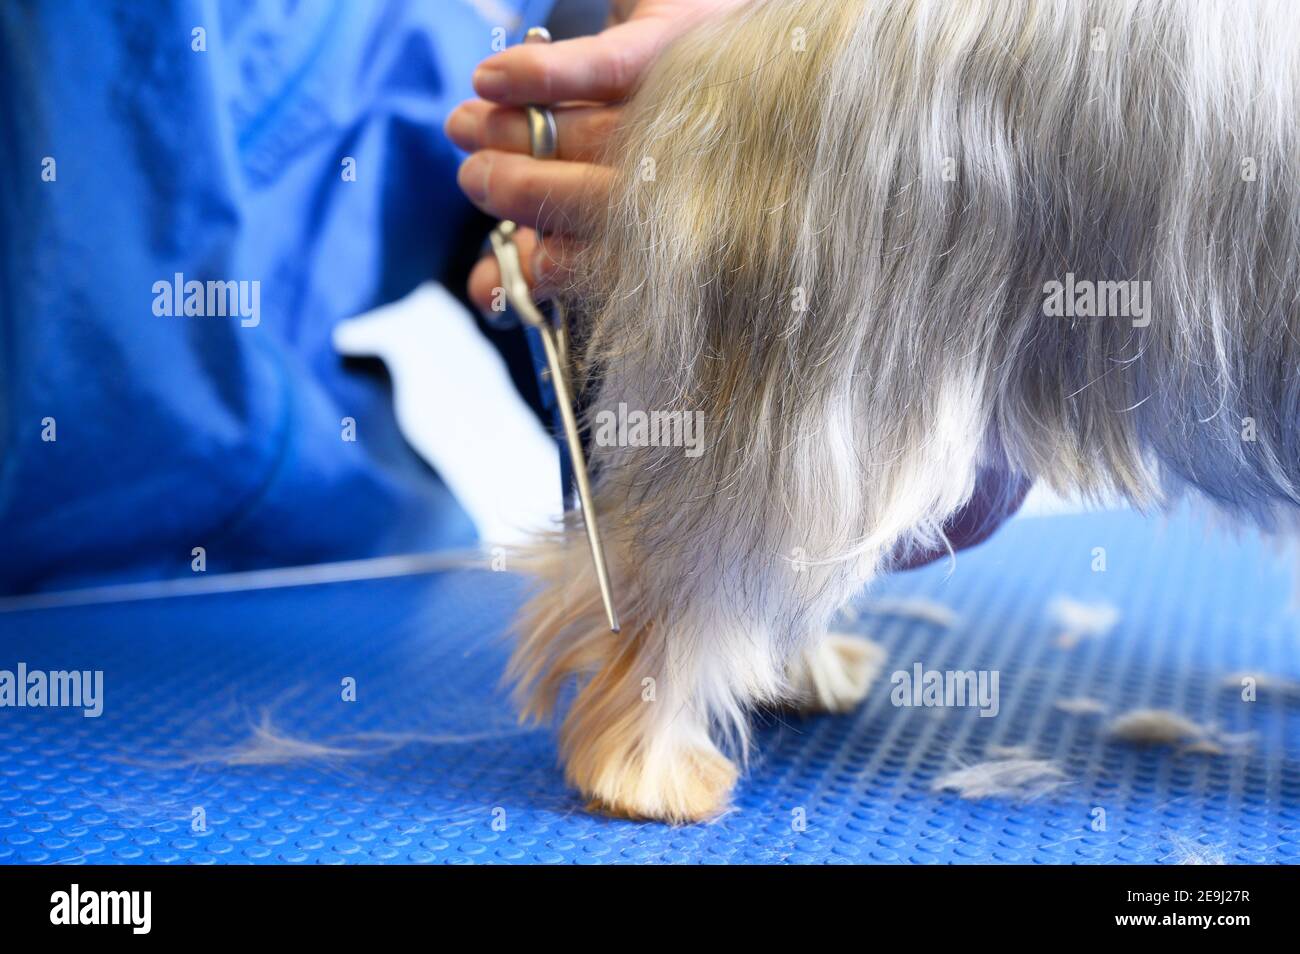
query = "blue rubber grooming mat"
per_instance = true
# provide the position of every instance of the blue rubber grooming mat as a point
(434, 769)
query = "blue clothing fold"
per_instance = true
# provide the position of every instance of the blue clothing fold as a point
(293, 150)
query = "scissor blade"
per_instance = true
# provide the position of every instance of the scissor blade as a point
(564, 398)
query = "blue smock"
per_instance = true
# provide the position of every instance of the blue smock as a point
(301, 148)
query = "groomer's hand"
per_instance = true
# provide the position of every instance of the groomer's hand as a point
(593, 75)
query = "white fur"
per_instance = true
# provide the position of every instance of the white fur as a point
(1079, 621)
(926, 611)
(1021, 779)
(1080, 705)
(1163, 727)
(835, 674)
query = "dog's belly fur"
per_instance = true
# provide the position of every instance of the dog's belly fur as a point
(845, 258)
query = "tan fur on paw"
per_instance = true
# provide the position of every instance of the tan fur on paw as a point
(836, 674)
(633, 757)
(695, 787)
(636, 739)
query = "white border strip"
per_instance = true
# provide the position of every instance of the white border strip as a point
(347, 571)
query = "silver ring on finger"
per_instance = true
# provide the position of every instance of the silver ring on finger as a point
(543, 137)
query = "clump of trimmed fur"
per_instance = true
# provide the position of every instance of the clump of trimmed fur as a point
(1080, 706)
(1079, 621)
(1156, 727)
(1163, 727)
(1021, 779)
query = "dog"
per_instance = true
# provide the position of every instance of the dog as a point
(882, 249)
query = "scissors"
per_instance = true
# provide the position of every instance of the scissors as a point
(542, 139)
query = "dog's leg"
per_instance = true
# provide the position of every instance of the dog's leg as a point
(636, 738)
(641, 736)
(721, 595)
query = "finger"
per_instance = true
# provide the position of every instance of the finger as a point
(548, 194)
(604, 67)
(547, 265)
(485, 289)
(581, 131)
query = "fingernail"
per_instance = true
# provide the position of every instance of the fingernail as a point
(463, 128)
(473, 178)
(490, 83)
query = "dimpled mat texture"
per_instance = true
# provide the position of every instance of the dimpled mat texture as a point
(435, 770)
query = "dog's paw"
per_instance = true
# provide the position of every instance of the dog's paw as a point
(836, 674)
(678, 785)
